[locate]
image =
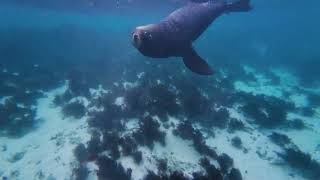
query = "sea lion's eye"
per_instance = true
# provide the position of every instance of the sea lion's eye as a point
(147, 35)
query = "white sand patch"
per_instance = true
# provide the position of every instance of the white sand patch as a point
(128, 85)
(259, 161)
(96, 93)
(48, 149)
(258, 89)
(179, 153)
(3, 99)
(288, 82)
(92, 168)
(120, 101)
(83, 100)
(299, 100)
(287, 79)
(140, 75)
(308, 139)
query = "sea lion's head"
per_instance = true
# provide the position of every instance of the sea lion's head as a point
(142, 37)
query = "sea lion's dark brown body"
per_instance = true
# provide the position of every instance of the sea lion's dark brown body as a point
(174, 35)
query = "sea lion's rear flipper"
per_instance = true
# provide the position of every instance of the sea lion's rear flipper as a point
(195, 63)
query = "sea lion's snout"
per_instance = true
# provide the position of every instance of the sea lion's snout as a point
(136, 40)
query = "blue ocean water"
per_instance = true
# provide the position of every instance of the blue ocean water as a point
(78, 101)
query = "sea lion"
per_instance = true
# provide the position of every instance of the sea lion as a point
(173, 36)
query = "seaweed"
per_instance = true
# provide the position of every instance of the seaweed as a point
(297, 124)
(236, 142)
(219, 118)
(16, 120)
(234, 174)
(108, 119)
(137, 156)
(193, 102)
(307, 111)
(162, 165)
(128, 144)
(94, 146)
(186, 131)
(157, 99)
(303, 162)
(211, 171)
(235, 125)
(111, 142)
(149, 132)
(81, 153)
(225, 162)
(80, 172)
(74, 109)
(268, 112)
(110, 169)
(280, 139)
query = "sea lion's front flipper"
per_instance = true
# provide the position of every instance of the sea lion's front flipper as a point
(195, 63)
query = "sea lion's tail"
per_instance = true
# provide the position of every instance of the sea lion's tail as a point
(239, 6)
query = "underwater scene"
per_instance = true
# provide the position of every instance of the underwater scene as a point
(159, 90)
